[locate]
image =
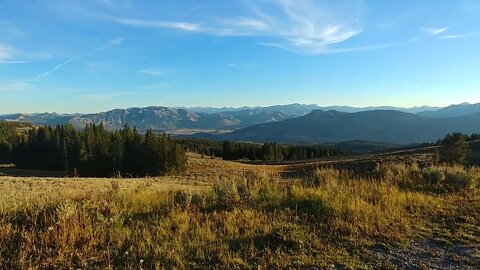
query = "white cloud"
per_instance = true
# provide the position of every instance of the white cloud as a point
(306, 26)
(6, 52)
(433, 31)
(457, 36)
(184, 26)
(114, 42)
(153, 72)
(12, 55)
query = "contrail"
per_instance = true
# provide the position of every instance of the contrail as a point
(47, 73)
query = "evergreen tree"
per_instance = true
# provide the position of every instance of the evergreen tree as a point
(5, 152)
(454, 148)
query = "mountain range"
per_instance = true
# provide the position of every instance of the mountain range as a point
(293, 123)
(380, 126)
(171, 119)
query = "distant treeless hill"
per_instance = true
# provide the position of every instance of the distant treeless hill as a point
(453, 110)
(381, 126)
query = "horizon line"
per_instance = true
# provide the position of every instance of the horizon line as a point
(245, 107)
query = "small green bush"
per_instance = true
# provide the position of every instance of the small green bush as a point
(197, 200)
(181, 198)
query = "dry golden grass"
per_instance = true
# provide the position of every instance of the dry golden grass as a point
(226, 215)
(201, 174)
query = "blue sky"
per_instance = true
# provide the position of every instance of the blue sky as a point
(96, 55)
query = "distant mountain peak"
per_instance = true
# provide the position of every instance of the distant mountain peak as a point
(161, 118)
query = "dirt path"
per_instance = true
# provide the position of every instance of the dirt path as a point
(425, 254)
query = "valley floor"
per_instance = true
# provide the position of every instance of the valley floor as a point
(368, 213)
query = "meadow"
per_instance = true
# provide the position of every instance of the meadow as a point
(227, 215)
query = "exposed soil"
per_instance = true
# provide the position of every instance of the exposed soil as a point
(424, 254)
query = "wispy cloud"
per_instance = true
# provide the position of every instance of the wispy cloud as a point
(14, 62)
(192, 10)
(114, 42)
(457, 36)
(184, 26)
(105, 96)
(153, 71)
(365, 48)
(6, 52)
(15, 86)
(433, 31)
(306, 26)
(154, 86)
(10, 30)
(47, 73)
(12, 55)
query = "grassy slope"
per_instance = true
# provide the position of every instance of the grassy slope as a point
(227, 215)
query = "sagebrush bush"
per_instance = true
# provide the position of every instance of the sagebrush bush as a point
(327, 176)
(461, 180)
(226, 194)
(182, 198)
(433, 176)
(431, 179)
(197, 200)
(393, 172)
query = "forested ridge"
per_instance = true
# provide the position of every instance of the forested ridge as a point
(93, 151)
(230, 150)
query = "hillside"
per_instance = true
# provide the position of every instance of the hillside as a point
(382, 126)
(453, 110)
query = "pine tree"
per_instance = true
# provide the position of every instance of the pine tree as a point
(454, 148)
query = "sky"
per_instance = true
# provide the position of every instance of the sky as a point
(83, 56)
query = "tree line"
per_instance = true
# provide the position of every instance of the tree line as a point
(473, 137)
(229, 150)
(93, 151)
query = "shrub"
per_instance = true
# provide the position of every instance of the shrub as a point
(461, 180)
(244, 191)
(323, 177)
(226, 194)
(181, 198)
(433, 176)
(439, 179)
(197, 200)
(394, 172)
